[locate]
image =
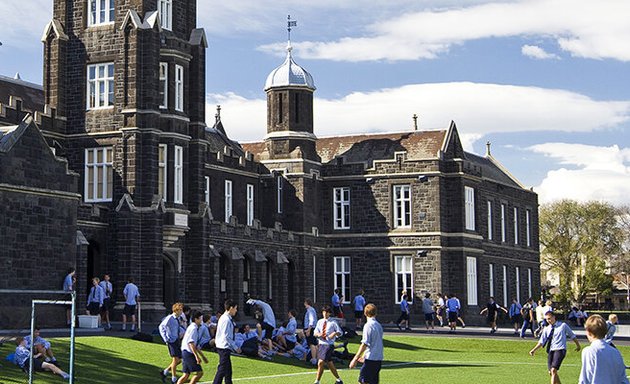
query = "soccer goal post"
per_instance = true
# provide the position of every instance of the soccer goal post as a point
(34, 302)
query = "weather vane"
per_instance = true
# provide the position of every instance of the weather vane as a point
(290, 23)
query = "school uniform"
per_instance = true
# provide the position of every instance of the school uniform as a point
(610, 332)
(602, 363)
(289, 333)
(204, 336)
(189, 360)
(336, 304)
(528, 322)
(515, 313)
(131, 293)
(247, 342)
(373, 355)
(224, 341)
(38, 341)
(95, 299)
(22, 356)
(325, 346)
(427, 309)
(359, 304)
(169, 330)
(269, 319)
(404, 311)
(452, 308)
(108, 288)
(554, 338)
(67, 283)
(310, 321)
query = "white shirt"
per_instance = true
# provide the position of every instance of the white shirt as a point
(331, 326)
(602, 364)
(224, 338)
(269, 317)
(191, 336)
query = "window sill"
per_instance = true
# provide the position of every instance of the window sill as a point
(101, 25)
(109, 107)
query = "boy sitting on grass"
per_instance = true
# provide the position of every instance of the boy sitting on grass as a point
(22, 355)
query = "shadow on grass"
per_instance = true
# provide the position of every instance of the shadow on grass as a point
(387, 364)
(410, 347)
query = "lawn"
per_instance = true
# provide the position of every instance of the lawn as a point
(410, 360)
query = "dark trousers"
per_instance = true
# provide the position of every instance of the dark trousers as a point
(527, 325)
(224, 370)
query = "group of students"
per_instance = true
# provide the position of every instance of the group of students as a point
(188, 332)
(43, 357)
(446, 310)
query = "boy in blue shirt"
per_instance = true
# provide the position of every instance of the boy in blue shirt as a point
(359, 304)
(326, 332)
(601, 363)
(95, 298)
(452, 310)
(191, 354)
(132, 294)
(404, 314)
(22, 355)
(370, 352)
(172, 333)
(68, 286)
(108, 288)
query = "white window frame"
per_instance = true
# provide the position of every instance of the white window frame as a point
(406, 271)
(490, 229)
(341, 208)
(279, 186)
(517, 271)
(104, 169)
(100, 81)
(97, 15)
(503, 224)
(529, 282)
(515, 226)
(401, 198)
(505, 286)
(163, 170)
(228, 200)
(165, 10)
(250, 204)
(491, 279)
(528, 234)
(178, 175)
(179, 88)
(164, 84)
(469, 204)
(207, 190)
(471, 280)
(342, 272)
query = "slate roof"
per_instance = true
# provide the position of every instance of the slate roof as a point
(491, 169)
(32, 95)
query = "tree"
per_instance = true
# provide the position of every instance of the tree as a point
(573, 237)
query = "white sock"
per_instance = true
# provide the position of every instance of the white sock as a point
(174, 379)
(166, 371)
(124, 327)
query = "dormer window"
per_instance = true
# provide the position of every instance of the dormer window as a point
(165, 8)
(101, 12)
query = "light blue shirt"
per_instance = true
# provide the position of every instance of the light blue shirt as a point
(67, 283)
(290, 330)
(560, 333)
(38, 341)
(427, 306)
(331, 327)
(268, 314)
(169, 329)
(107, 286)
(97, 295)
(131, 293)
(612, 328)
(602, 364)
(404, 306)
(241, 338)
(191, 336)
(310, 318)
(515, 309)
(224, 338)
(373, 339)
(335, 300)
(359, 303)
(21, 355)
(204, 335)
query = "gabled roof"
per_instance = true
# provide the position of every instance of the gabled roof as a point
(32, 95)
(493, 170)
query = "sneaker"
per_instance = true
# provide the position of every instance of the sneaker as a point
(339, 381)
(163, 376)
(408, 329)
(463, 325)
(399, 327)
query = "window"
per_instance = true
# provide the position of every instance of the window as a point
(402, 206)
(178, 189)
(489, 220)
(342, 276)
(99, 174)
(517, 271)
(269, 279)
(403, 271)
(179, 88)
(529, 282)
(162, 171)
(100, 85)
(279, 182)
(163, 85)
(471, 279)
(228, 200)
(505, 287)
(491, 279)
(341, 208)
(207, 190)
(528, 234)
(280, 111)
(250, 204)
(503, 223)
(101, 12)
(165, 10)
(515, 225)
(297, 108)
(469, 196)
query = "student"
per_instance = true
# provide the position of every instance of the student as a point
(287, 338)
(336, 303)
(491, 310)
(540, 318)
(204, 332)
(310, 321)
(225, 343)
(22, 355)
(268, 323)
(359, 304)
(452, 309)
(515, 315)
(611, 328)
(404, 314)
(554, 338)
(191, 353)
(326, 331)
(41, 345)
(95, 298)
(601, 363)
(527, 312)
(132, 294)
(441, 306)
(427, 309)
(107, 287)
(172, 333)
(370, 351)
(68, 286)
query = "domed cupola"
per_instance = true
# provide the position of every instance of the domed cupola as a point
(289, 74)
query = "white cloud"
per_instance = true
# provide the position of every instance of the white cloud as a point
(536, 52)
(587, 29)
(23, 21)
(597, 173)
(478, 109)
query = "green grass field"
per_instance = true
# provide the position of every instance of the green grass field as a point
(409, 360)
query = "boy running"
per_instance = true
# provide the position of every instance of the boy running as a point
(191, 355)
(492, 310)
(370, 352)
(326, 332)
(171, 333)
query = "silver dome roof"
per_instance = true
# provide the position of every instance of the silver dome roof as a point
(289, 74)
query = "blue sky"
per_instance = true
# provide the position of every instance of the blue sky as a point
(546, 81)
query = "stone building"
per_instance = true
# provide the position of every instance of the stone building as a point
(151, 191)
